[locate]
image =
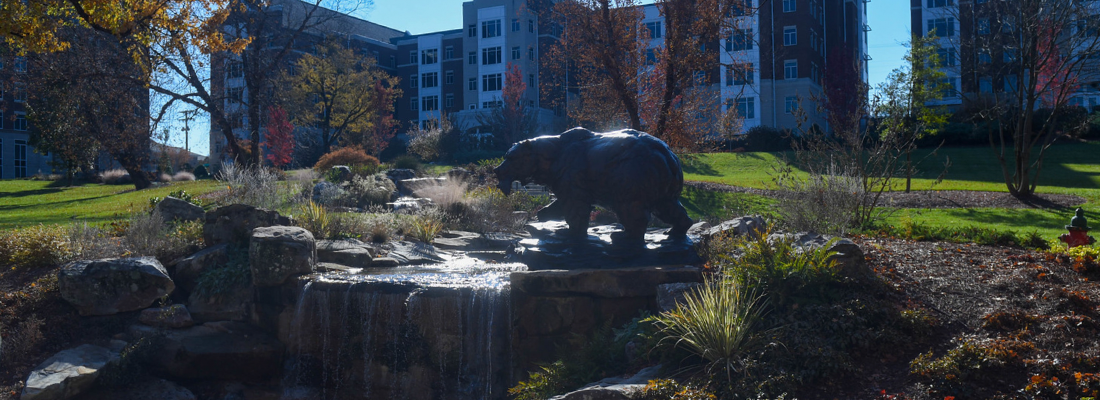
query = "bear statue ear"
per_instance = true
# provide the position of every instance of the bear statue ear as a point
(576, 134)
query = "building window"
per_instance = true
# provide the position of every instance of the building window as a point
(814, 72)
(1010, 55)
(492, 104)
(20, 122)
(654, 29)
(1010, 83)
(449, 101)
(790, 35)
(393, 62)
(746, 107)
(473, 106)
(530, 80)
(490, 29)
(235, 95)
(984, 57)
(472, 58)
(790, 104)
(413, 81)
(790, 6)
(940, 3)
(515, 52)
(431, 103)
(985, 85)
(414, 103)
(947, 56)
(473, 84)
(412, 57)
(490, 56)
(20, 158)
(515, 25)
(790, 69)
(650, 57)
(450, 76)
(950, 88)
(983, 26)
(531, 25)
(234, 70)
(739, 74)
(471, 30)
(448, 52)
(429, 80)
(1087, 27)
(430, 56)
(531, 53)
(942, 27)
(491, 82)
(19, 92)
(741, 39)
(20, 64)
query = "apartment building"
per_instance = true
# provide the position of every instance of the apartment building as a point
(17, 158)
(773, 64)
(979, 45)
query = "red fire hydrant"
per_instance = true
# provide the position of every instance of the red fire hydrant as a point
(1078, 231)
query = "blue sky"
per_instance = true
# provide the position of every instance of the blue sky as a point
(889, 21)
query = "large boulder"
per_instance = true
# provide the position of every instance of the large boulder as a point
(849, 256)
(216, 350)
(279, 252)
(753, 226)
(349, 252)
(173, 317)
(234, 223)
(186, 271)
(399, 174)
(172, 208)
(414, 253)
(341, 173)
(114, 285)
(68, 373)
(230, 304)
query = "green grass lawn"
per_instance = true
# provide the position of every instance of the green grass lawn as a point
(26, 202)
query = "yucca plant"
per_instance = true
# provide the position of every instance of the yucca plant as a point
(425, 229)
(716, 322)
(315, 219)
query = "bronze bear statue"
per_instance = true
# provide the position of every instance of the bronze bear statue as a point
(630, 172)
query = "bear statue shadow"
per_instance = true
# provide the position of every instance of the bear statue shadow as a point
(629, 172)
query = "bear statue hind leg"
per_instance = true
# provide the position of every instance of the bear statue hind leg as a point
(673, 213)
(634, 219)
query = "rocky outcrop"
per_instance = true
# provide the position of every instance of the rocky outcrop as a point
(753, 225)
(349, 252)
(399, 174)
(279, 252)
(186, 271)
(849, 257)
(68, 373)
(172, 208)
(216, 350)
(234, 223)
(174, 317)
(114, 285)
(231, 304)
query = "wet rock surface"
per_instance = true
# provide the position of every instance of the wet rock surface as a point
(216, 350)
(414, 253)
(547, 248)
(114, 285)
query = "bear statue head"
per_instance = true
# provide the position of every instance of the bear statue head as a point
(534, 159)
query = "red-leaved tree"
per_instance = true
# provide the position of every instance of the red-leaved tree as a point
(511, 120)
(279, 137)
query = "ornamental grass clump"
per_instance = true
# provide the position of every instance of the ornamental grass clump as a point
(717, 323)
(780, 268)
(315, 219)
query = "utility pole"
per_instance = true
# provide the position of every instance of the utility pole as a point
(188, 115)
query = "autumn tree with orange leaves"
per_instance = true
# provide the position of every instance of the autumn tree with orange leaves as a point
(511, 120)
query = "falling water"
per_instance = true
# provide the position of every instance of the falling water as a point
(434, 332)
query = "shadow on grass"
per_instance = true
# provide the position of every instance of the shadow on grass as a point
(705, 204)
(1019, 218)
(25, 193)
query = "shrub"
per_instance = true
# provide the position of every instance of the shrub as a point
(20, 340)
(487, 209)
(443, 193)
(668, 389)
(35, 247)
(426, 228)
(350, 156)
(717, 324)
(779, 268)
(824, 203)
(147, 234)
(407, 162)
(315, 219)
(908, 229)
(252, 186)
(377, 227)
(426, 143)
(183, 177)
(89, 242)
(764, 138)
(115, 177)
(235, 274)
(202, 172)
(371, 190)
(164, 177)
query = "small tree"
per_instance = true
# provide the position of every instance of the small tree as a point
(512, 120)
(280, 137)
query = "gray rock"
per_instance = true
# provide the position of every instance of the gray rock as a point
(460, 174)
(499, 240)
(384, 262)
(337, 268)
(698, 228)
(400, 174)
(603, 283)
(671, 294)
(349, 252)
(174, 316)
(279, 252)
(234, 223)
(113, 285)
(147, 389)
(457, 240)
(172, 208)
(753, 225)
(410, 253)
(186, 271)
(217, 350)
(233, 304)
(327, 192)
(615, 388)
(409, 204)
(68, 373)
(341, 173)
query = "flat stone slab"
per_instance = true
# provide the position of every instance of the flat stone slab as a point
(457, 240)
(410, 253)
(350, 252)
(605, 283)
(548, 248)
(217, 350)
(68, 373)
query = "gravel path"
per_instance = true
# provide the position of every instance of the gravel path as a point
(932, 199)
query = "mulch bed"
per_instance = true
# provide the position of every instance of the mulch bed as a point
(932, 199)
(999, 294)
